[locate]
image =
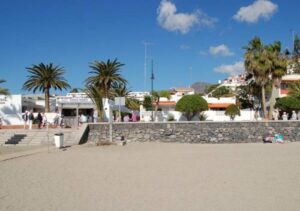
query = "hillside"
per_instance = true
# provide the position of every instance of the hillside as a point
(200, 86)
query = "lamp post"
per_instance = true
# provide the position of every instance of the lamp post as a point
(152, 79)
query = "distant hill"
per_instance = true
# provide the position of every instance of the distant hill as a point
(200, 86)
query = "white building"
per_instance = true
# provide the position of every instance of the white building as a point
(12, 107)
(138, 95)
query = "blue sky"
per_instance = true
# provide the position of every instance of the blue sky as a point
(192, 40)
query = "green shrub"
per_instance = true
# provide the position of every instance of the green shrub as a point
(288, 103)
(232, 110)
(202, 116)
(170, 117)
(190, 105)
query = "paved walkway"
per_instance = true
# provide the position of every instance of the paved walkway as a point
(11, 152)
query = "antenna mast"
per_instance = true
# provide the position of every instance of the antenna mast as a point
(146, 44)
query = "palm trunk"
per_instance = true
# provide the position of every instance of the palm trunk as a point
(47, 100)
(263, 102)
(155, 112)
(272, 100)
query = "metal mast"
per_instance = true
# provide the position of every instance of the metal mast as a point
(152, 79)
(145, 65)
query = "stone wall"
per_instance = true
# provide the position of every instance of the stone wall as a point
(196, 132)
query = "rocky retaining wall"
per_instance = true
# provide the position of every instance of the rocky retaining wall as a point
(196, 132)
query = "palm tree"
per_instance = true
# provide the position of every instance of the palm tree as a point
(121, 90)
(96, 96)
(104, 75)
(3, 91)
(43, 77)
(279, 69)
(259, 65)
(156, 97)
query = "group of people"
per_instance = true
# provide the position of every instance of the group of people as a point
(127, 118)
(285, 116)
(28, 118)
(276, 115)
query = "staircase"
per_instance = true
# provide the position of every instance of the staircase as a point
(15, 139)
(36, 137)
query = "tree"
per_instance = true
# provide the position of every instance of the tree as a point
(3, 91)
(96, 95)
(232, 111)
(258, 64)
(190, 105)
(147, 103)
(156, 98)
(121, 90)
(43, 77)
(296, 55)
(104, 74)
(294, 90)
(288, 104)
(75, 90)
(279, 69)
(245, 97)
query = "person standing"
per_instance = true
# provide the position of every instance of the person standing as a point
(44, 120)
(134, 117)
(39, 120)
(0, 122)
(30, 119)
(275, 115)
(294, 116)
(284, 116)
(25, 119)
(126, 118)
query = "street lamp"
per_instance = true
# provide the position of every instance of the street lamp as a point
(152, 79)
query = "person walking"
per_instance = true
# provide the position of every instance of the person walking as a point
(44, 120)
(30, 119)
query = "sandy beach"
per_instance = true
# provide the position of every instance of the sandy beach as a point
(155, 176)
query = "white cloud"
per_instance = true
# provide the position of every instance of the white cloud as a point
(169, 19)
(220, 50)
(259, 9)
(234, 69)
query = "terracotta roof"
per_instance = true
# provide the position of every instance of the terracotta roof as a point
(167, 103)
(218, 105)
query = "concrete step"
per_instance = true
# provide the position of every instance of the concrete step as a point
(39, 136)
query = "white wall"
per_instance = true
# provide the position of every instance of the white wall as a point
(246, 115)
(11, 109)
(229, 100)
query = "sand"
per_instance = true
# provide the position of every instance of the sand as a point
(155, 176)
